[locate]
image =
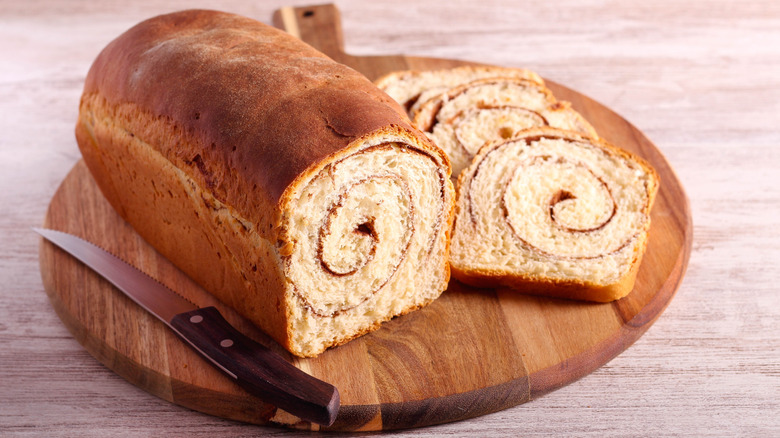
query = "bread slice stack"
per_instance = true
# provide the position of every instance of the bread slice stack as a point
(413, 88)
(544, 206)
(470, 106)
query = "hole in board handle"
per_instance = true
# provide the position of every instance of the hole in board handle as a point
(308, 13)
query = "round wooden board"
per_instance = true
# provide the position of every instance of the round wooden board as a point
(471, 352)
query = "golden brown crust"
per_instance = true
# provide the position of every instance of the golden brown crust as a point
(573, 289)
(233, 84)
(210, 241)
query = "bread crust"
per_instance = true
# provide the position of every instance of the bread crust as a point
(258, 105)
(573, 289)
(233, 117)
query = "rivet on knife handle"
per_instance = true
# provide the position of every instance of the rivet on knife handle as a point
(256, 368)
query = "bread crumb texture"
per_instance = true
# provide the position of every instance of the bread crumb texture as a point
(555, 207)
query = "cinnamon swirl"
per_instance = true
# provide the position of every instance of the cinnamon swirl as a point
(413, 88)
(464, 118)
(554, 213)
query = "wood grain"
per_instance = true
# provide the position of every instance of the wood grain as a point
(472, 352)
(701, 78)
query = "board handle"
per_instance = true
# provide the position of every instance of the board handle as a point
(319, 26)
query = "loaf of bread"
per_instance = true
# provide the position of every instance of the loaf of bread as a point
(413, 88)
(553, 213)
(285, 183)
(464, 118)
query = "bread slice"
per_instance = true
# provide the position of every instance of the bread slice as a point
(413, 88)
(286, 184)
(466, 117)
(553, 213)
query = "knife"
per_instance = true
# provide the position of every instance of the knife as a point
(254, 367)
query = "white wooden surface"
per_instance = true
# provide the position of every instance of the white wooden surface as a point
(700, 78)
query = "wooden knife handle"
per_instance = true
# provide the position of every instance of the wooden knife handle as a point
(257, 369)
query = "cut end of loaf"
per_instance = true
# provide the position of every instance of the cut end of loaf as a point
(369, 229)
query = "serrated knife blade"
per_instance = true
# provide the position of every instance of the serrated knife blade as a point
(253, 366)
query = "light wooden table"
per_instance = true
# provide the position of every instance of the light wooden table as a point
(700, 78)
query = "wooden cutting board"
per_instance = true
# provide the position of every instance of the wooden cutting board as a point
(472, 352)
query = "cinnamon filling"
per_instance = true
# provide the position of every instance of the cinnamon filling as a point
(501, 122)
(564, 209)
(363, 236)
(428, 126)
(350, 237)
(410, 103)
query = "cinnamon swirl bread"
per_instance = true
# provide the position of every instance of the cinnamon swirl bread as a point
(466, 117)
(285, 183)
(553, 213)
(413, 88)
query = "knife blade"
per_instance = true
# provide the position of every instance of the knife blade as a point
(253, 366)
